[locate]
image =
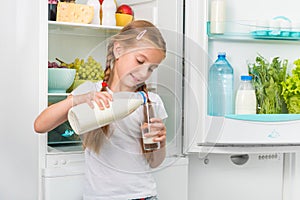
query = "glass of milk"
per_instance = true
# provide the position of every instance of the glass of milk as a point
(149, 130)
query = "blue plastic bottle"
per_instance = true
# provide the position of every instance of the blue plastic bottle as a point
(220, 87)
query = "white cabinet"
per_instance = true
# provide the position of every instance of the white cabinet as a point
(63, 183)
(216, 176)
(172, 179)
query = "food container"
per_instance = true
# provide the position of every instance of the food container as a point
(60, 79)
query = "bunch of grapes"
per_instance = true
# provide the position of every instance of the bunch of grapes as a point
(54, 65)
(90, 70)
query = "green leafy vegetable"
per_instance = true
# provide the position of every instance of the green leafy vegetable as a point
(291, 90)
(267, 81)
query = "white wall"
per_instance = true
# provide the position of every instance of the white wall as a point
(19, 48)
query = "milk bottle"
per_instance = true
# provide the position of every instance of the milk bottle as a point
(96, 5)
(217, 17)
(109, 8)
(245, 98)
(83, 118)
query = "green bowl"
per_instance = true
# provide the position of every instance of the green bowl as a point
(60, 79)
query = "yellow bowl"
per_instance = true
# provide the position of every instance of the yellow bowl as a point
(76, 83)
(123, 19)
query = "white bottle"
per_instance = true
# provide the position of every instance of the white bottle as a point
(217, 16)
(245, 98)
(108, 13)
(83, 118)
(96, 5)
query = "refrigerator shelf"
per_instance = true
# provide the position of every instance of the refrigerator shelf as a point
(56, 97)
(263, 130)
(81, 29)
(248, 30)
(266, 117)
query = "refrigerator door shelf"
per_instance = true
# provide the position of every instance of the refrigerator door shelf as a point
(266, 117)
(252, 130)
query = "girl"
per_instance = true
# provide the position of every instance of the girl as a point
(117, 167)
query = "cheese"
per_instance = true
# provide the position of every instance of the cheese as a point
(83, 14)
(65, 12)
(71, 12)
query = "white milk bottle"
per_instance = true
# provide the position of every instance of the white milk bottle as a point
(245, 98)
(83, 118)
(96, 5)
(217, 16)
(109, 8)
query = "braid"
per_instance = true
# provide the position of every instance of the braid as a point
(110, 55)
(109, 58)
(107, 73)
(93, 140)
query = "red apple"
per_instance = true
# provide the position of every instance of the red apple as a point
(125, 9)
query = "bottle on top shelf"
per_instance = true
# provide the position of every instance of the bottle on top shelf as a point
(108, 8)
(96, 5)
(217, 16)
(220, 87)
(52, 9)
(245, 102)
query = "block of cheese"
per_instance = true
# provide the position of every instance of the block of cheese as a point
(65, 12)
(83, 14)
(71, 12)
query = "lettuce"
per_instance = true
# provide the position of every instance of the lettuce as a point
(291, 90)
(267, 81)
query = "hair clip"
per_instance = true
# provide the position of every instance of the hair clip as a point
(141, 34)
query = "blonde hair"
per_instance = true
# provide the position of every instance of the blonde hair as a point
(133, 35)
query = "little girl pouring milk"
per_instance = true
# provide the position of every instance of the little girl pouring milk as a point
(116, 166)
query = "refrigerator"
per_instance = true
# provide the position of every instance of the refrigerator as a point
(50, 166)
(204, 161)
(231, 157)
(63, 172)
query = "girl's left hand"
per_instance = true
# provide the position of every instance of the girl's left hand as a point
(158, 124)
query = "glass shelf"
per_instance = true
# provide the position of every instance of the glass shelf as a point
(266, 117)
(56, 97)
(247, 30)
(58, 94)
(55, 27)
(63, 149)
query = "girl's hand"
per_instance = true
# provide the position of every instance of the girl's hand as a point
(102, 99)
(158, 125)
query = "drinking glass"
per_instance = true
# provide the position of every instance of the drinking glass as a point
(149, 131)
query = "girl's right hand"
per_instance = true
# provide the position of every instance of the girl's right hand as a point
(102, 99)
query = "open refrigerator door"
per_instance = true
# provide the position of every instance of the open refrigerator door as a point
(218, 144)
